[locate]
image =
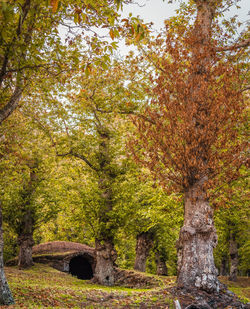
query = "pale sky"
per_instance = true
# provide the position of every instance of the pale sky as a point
(157, 11)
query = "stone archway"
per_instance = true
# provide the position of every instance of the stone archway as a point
(80, 267)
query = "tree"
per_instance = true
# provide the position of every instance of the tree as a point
(152, 218)
(21, 210)
(190, 138)
(144, 242)
(26, 162)
(232, 224)
(31, 44)
(97, 104)
(31, 41)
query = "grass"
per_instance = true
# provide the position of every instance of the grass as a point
(240, 288)
(44, 287)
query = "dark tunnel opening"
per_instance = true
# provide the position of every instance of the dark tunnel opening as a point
(80, 267)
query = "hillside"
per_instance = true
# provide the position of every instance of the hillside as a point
(45, 287)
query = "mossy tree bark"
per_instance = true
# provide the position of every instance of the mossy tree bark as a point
(104, 244)
(161, 267)
(26, 241)
(105, 262)
(144, 242)
(27, 225)
(224, 266)
(233, 253)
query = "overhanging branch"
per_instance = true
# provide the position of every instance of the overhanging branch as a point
(235, 46)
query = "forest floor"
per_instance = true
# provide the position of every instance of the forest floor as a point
(44, 287)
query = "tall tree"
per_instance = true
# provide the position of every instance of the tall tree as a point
(31, 43)
(190, 138)
(21, 183)
(97, 104)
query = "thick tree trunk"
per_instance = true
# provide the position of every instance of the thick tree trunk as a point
(26, 243)
(196, 242)
(233, 252)
(161, 267)
(105, 263)
(144, 242)
(6, 297)
(25, 240)
(104, 246)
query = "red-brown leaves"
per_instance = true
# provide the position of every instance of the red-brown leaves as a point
(197, 115)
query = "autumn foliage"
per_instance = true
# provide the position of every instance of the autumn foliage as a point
(193, 125)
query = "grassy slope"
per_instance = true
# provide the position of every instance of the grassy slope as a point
(45, 287)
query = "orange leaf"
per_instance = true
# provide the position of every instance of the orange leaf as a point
(112, 34)
(54, 4)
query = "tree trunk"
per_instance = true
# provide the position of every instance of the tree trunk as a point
(233, 252)
(161, 269)
(6, 297)
(223, 266)
(197, 237)
(26, 243)
(105, 263)
(144, 242)
(25, 240)
(196, 242)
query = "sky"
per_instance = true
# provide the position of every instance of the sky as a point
(157, 11)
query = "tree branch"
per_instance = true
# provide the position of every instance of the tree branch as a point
(140, 116)
(246, 88)
(127, 113)
(235, 46)
(82, 157)
(11, 105)
(25, 10)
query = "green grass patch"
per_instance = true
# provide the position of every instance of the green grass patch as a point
(45, 287)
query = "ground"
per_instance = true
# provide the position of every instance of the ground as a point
(45, 287)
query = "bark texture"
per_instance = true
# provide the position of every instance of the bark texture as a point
(233, 252)
(105, 263)
(26, 243)
(198, 237)
(196, 242)
(144, 242)
(161, 267)
(223, 266)
(26, 228)
(105, 251)
(6, 297)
